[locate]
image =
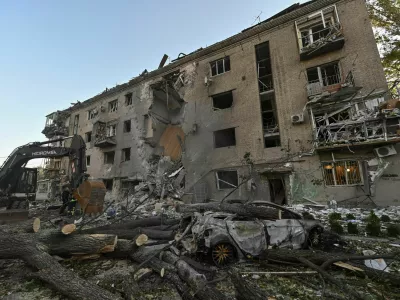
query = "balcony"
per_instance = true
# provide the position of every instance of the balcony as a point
(329, 85)
(355, 123)
(319, 33)
(104, 135)
(104, 142)
(54, 129)
(324, 40)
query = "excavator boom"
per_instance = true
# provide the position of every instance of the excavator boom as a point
(90, 194)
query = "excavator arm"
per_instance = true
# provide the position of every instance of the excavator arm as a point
(90, 194)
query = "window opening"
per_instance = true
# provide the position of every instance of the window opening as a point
(224, 138)
(227, 179)
(223, 100)
(220, 66)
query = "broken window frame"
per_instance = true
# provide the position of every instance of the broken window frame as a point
(91, 114)
(50, 120)
(315, 87)
(88, 160)
(88, 137)
(129, 99)
(225, 129)
(265, 82)
(306, 24)
(348, 180)
(228, 185)
(226, 64)
(76, 124)
(124, 156)
(113, 106)
(270, 131)
(107, 155)
(127, 129)
(111, 130)
(216, 96)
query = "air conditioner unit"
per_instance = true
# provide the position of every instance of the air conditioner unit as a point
(385, 151)
(314, 88)
(297, 119)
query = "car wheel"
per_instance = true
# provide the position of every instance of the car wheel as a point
(223, 254)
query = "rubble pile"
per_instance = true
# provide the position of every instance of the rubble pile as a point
(351, 215)
(164, 249)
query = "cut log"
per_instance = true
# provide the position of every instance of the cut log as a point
(68, 229)
(49, 270)
(34, 227)
(141, 240)
(245, 290)
(239, 209)
(85, 257)
(76, 244)
(195, 280)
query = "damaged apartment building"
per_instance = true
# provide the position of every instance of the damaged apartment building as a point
(294, 109)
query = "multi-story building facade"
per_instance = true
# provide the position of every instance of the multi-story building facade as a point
(297, 103)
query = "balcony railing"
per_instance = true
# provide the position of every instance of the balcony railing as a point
(383, 129)
(105, 141)
(319, 42)
(329, 84)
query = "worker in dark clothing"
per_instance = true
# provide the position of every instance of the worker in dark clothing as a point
(65, 197)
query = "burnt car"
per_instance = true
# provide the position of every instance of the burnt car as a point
(228, 237)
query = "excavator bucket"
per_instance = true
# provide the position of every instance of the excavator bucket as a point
(90, 196)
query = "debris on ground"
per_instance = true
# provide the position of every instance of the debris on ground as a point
(159, 248)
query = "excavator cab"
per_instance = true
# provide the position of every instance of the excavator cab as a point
(27, 183)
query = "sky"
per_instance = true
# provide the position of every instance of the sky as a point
(53, 53)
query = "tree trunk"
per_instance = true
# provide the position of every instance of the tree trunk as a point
(245, 290)
(324, 259)
(123, 249)
(133, 233)
(195, 280)
(147, 222)
(158, 265)
(49, 270)
(239, 209)
(76, 244)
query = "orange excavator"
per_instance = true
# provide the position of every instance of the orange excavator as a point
(18, 183)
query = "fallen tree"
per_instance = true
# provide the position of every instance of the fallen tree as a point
(147, 222)
(253, 211)
(194, 279)
(49, 270)
(75, 244)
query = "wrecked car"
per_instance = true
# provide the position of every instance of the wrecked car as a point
(228, 237)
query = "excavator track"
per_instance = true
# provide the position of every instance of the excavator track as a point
(13, 210)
